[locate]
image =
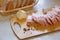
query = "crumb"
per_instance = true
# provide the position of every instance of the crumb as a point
(25, 29)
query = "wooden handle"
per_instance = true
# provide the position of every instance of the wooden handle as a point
(13, 21)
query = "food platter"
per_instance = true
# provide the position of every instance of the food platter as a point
(21, 34)
(22, 31)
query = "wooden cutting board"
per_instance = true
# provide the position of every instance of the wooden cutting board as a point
(22, 31)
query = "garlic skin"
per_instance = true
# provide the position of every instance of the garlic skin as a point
(21, 14)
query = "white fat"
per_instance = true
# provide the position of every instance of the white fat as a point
(37, 15)
(29, 17)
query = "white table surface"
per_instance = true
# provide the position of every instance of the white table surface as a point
(6, 32)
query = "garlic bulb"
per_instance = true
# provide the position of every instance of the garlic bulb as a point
(21, 14)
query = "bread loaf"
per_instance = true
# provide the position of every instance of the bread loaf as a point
(28, 1)
(12, 4)
(2, 4)
(24, 3)
(18, 4)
